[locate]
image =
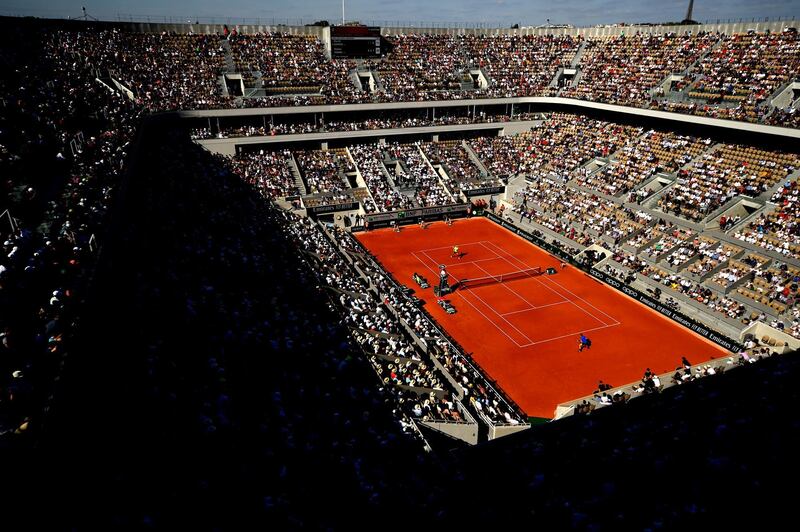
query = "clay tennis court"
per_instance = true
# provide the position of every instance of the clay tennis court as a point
(524, 331)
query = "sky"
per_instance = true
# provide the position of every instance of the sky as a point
(421, 12)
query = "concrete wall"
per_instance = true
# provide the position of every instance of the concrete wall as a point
(759, 330)
(728, 28)
(467, 432)
(319, 31)
(506, 430)
(153, 27)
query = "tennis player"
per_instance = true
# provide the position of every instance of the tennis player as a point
(584, 343)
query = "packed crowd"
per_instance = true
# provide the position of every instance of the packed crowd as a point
(555, 148)
(741, 111)
(713, 300)
(167, 71)
(563, 144)
(420, 390)
(421, 63)
(786, 117)
(320, 170)
(61, 171)
(720, 263)
(416, 172)
(776, 288)
(640, 159)
(462, 173)
(522, 65)
(390, 121)
(718, 176)
(779, 229)
(747, 68)
(710, 255)
(625, 69)
(291, 62)
(668, 237)
(384, 197)
(498, 154)
(423, 66)
(229, 343)
(163, 71)
(738, 268)
(578, 215)
(270, 172)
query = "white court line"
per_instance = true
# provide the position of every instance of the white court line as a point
(568, 290)
(552, 290)
(507, 288)
(457, 263)
(435, 272)
(449, 247)
(468, 262)
(497, 326)
(534, 308)
(499, 316)
(481, 313)
(575, 333)
(562, 287)
(579, 297)
(540, 282)
(437, 265)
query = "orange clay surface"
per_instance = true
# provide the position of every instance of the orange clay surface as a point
(524, 332)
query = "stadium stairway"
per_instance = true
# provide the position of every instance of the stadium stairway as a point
(355, 80)
(556, 78)
(387, 175)
(701, 58)
(689, 71)
(475, 159)
(578, 55)
(378, 82)
(684, 94)
(230, 65)
(258, 80)
(408, 188)
(298, 180)
(438, 175)
(223, 87)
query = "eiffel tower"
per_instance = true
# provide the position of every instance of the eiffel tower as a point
(688, 18)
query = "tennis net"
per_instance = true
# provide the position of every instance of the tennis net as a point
(500, 278)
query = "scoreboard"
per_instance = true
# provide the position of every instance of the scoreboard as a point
(355, 42)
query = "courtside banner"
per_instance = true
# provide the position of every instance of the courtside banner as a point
(460, 208)
(485, 191)
(719, 339)
(336, 207)
(699, 328)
